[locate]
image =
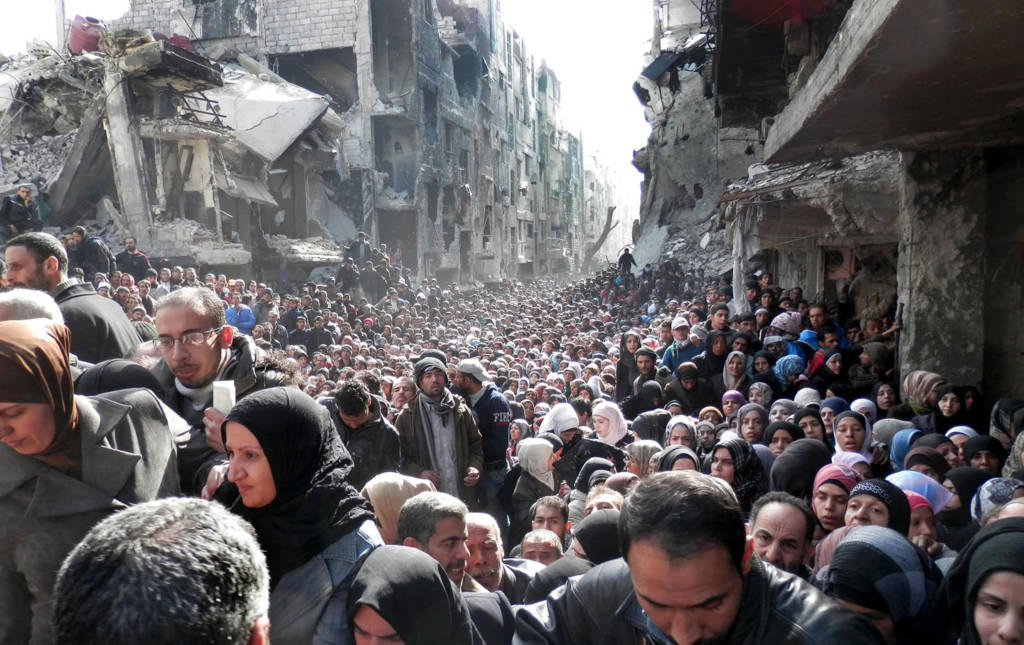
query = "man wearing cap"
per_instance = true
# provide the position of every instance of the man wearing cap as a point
(493, 415)
(440, 439)
(681, 349)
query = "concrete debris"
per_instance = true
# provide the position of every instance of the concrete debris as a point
(312, 250)
(33, 160)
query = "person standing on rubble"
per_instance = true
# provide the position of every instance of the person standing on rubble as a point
(360, 249)
(18, 213)
(132, 260)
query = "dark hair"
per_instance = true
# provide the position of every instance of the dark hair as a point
(818, 305)
(550, 501)
(826, 331)
(352, 398)
(718, 307)
(684, 512)
(782, 497)
(199, 299)
(194, 560)
(41, 246)
(370, 380)
(420, 514)
(582, 406)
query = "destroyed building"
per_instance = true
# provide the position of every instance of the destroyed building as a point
(888, 164)
(453, 152)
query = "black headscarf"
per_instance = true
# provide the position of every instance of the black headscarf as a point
(411, 591)
(997, 547)
(115, 374)
(793, 429)
(893, 498)
(669, 456)
(749, 479)
(591, 465)
(315, 505)
(794, 470)
(927, 456)
(553, 576)
(967, 480)
(984, 442)
(944, 423)
(598, 534)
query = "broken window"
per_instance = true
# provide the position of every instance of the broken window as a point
(430, 114)
(393, 69)
(225, 18)
(467, 70)
(432, 197)
(327, 71)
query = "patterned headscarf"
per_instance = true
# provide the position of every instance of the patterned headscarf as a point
(992, 494)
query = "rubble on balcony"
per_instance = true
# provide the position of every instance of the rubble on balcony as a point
(312, 250)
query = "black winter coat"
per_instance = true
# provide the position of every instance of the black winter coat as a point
(99, 328)
(375, 446)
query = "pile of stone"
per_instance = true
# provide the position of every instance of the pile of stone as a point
(33, 160)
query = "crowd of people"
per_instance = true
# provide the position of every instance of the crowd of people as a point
(634, 457)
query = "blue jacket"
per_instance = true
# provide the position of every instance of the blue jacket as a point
(242, 318)
(673, 358)
(309, 604)
(492, 414)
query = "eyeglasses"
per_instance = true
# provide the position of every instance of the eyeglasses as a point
(191, 339)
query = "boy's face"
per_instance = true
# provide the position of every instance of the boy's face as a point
(831, 341)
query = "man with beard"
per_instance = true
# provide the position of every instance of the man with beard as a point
(133, 261)
(435, 523)
(99, 328)
(688, 575)
(197, 347)
(440, 440)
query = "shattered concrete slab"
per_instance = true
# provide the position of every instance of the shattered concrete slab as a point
(317, 250)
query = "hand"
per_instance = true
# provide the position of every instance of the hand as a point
(879, 455)
(563, 490)
(927, 544)
(213, 419)
(218, 475)
(472, 476)
(432, 476)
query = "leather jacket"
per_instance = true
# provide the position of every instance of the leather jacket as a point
(600, 607)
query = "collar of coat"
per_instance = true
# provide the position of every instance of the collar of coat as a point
(105, 470)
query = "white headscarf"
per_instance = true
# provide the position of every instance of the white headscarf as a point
(560, 418)
(616, 422)
(535, 457)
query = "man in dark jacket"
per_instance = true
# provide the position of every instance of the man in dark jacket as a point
(367, 434)
(347, 276)
(318, 336)
(99, 328)
(18, 214)
(492, 414)
(300, 335)
(278, 333)
(90, 253)
(133, 261)
(688, 574)
(197, 348)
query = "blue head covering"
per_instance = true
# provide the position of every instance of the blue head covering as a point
(789, 366)
(835, 404)
(915, 482)
(901, 446)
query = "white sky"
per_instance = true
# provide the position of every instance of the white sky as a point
(595, 47)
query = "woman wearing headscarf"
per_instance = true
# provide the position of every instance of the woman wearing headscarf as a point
(878, 573)
(828, 410)
(581, 487)
(638, 456)
(788, 373)
(66, 462)
(760, 393)
(902, 442)
(927, 461)
(830, 372)
(852, 433)
(387, 492)
(732, 400)
(948, 412)
(809, 422)
(291, 470)
(886, 398)
(735, 462)
(400, 594)
(610, 425)
(879, 503)
(920, 388)
(626, 370)
(711, 361)
(781, 409)
(692, 392)
(596, 538)
(944, 446)
(974, 412)
(680, 432)
(794, 469)
(779, 435)
(678, 458)
(994, 493)
(537, 458)
(985, 452)
(831, 495)
(978, 589)
(733, 375)
(956, 526)
(751, 421)
(650, 397)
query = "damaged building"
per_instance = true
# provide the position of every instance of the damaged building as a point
(426, 123)
(848, 155)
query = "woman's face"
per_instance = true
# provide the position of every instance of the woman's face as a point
(830, 502)
(986, 460)
(886, 397)
(954, 503)
(780, 440)
(880, 620)
(834, 363)
(369, 628)
(632, 344)
(729, 407)
(722, 466)
(828, 417)
(248, 468)
(684, 464)
(777, 413)
(719, 346)
(756, 395)
(999, 608)
(680, 436)
(812, 428)
(633, 466)
(922, 522)
(927, 470)
(866, 510)
(27, 428)
(514, 433)
(602, 426)
(736, 366)
(949, 404)
(751, 427)
(849, 434)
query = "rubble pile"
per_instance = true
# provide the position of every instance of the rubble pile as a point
(33, 160)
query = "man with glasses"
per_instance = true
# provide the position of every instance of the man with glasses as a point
(197, 348)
